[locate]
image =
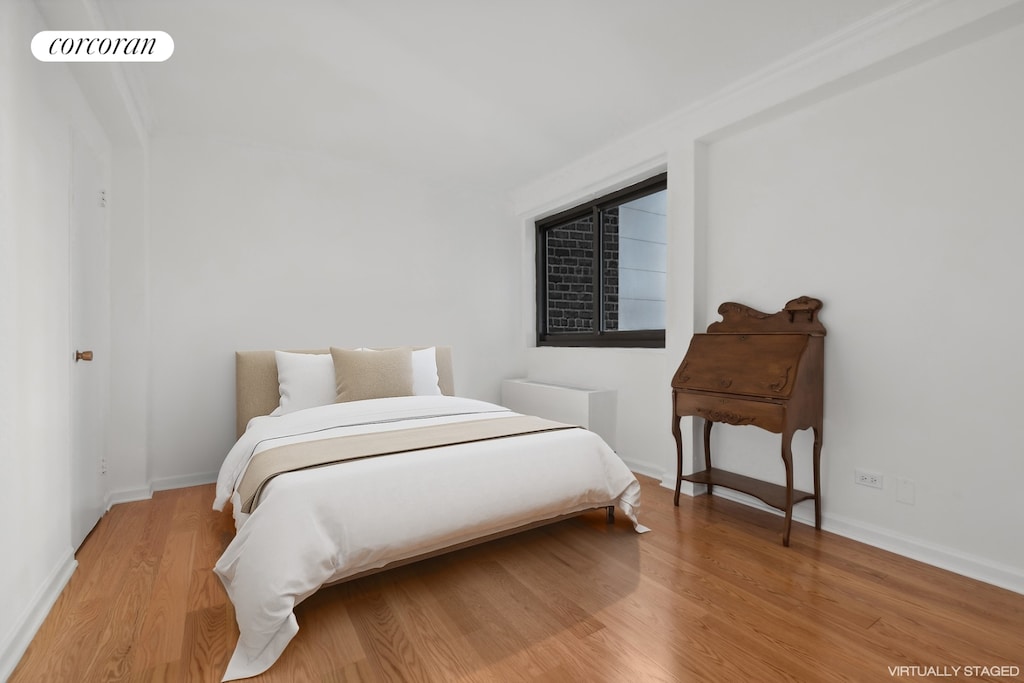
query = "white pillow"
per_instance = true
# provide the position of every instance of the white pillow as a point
(424, 373)
(305, 380)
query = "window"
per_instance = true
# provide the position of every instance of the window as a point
(601, 270)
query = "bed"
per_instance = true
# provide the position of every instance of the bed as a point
(353, 461)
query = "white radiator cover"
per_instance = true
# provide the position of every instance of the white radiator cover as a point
(593, 409)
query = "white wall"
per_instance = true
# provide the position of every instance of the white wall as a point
(899, 204)
(40, 105)
(259, 247)
(880, 172)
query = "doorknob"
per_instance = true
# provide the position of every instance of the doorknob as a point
(83, 355)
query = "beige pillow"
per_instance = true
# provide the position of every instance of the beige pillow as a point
(361, 375)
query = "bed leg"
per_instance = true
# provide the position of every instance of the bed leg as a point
(610, 510)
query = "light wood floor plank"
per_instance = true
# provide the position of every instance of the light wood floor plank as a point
(709, 595)
(162, 626)
(432, 634)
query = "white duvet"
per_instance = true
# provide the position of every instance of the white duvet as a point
(321, 525)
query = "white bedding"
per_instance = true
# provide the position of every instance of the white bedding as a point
(321, 525)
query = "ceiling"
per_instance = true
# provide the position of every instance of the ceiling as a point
(458, 89)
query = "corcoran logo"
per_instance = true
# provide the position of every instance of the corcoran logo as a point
(102, 46)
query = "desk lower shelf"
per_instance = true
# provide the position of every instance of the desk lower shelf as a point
(771, 494)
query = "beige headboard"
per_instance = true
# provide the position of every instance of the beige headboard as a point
(257, 393)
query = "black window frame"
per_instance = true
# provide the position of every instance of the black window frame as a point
(599, 337)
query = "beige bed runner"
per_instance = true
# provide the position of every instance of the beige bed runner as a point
(268, 464)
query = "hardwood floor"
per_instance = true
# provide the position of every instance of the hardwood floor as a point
(709, 595)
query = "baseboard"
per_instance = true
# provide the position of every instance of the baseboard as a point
(132, 495)
(14, 646)
(128, 496)
(645, 469)
(943, 557)
(166, 483)
(950, 559)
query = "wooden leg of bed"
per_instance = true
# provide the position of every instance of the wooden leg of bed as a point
(611, 514)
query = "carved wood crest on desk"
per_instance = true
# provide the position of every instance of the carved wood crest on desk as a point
(760, 369)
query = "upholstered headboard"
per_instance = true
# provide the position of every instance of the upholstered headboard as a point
(256, 387)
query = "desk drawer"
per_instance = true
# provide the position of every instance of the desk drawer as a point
(734, 411)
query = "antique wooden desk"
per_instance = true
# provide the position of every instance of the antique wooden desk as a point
(760, 369)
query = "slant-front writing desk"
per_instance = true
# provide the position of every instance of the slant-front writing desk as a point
(760, 369)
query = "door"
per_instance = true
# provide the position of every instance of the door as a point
(90, 337)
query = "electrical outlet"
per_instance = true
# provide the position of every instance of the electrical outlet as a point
(864, 478)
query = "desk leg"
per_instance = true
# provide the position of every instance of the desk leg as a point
(817, 477)
(787, 460)
(707, 448)
(679, 453)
